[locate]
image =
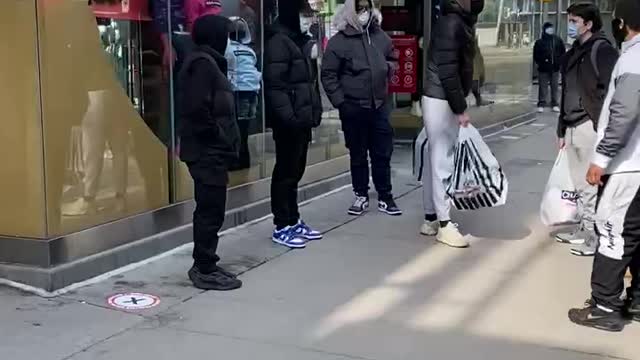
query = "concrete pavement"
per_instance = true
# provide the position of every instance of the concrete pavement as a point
(372, 289)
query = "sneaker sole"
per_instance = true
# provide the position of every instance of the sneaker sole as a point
(291, 246)
(312, 238)
(202, 285)
(582, 253)
(430, 233)
(453, 246)
(610, 327)
(392, 213)
(570, 242)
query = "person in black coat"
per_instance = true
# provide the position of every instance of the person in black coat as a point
(444, 109)
(547, 54)
(210, 141)
(355, 74)
(293, 108)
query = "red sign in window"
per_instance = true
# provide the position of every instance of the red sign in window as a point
(122, 9)
(404, 78)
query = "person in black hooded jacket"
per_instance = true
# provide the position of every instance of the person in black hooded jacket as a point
(547, 54)
(444, 109)
(293, 108)
(210, 141)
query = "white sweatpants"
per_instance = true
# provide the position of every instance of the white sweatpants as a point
(442, 130)
(98, 128)
(580, 142)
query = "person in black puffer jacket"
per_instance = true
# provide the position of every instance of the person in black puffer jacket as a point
(547, 54)
(448, 82)
(355, 73)
(210, 140)
(293, 108)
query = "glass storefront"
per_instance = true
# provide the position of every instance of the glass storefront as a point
(88, 97)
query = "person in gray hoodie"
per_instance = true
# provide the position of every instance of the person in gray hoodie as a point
(355, 72)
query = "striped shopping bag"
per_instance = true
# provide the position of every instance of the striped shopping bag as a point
(477, 180)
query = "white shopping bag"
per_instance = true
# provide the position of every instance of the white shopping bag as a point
(477, 180)
(420, 153)
(559, 202)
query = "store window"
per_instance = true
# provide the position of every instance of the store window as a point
(104, 113)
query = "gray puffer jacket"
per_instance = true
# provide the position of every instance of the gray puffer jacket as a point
(357, 62)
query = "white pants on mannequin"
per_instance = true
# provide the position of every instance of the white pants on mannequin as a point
(442, 128)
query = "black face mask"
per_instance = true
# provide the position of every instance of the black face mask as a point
(619, 31)
(476, 7)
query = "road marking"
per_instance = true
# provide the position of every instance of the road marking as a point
(133, 301)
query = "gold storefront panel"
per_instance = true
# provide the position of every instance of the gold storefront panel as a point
(104, 158)
(21, 175)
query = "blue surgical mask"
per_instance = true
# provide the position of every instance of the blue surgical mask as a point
(572, 30)
(550, 31)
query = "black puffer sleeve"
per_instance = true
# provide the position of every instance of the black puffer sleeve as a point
(449, 47)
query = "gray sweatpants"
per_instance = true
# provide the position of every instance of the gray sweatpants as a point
(442, 130)
(580, 142)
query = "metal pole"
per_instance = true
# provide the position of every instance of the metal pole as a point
(499, 25)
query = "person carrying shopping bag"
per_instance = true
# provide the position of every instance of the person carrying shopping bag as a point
(444, 109)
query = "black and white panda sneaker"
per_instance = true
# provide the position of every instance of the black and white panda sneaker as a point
(389, 207)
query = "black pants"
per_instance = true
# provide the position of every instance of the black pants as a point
(246, 110)
(368, 133)
(292, 146)
(546, 81)
(208, 217)
(618, 229)
(475, 89)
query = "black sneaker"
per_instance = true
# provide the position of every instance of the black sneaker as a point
(389, 207)
(220, 280)
(360, 206)
(594, 317)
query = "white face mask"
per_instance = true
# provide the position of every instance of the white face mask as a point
(305, 24)
(550, 31)
(364, 17)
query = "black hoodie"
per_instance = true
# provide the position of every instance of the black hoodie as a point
(290, 76)
(584, 89)
(548, 51)
(209, 134)
(450, 64)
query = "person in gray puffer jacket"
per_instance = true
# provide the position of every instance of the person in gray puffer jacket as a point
(355, 74)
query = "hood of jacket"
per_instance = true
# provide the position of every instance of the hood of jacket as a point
(212, 31)
(346, 17)
(240, 31)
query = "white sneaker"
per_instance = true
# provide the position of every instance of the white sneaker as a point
(430, 228)
(79, 207)
(541, 110)
(556, 109)
(451, 236)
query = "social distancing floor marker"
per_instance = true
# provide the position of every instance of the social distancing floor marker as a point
(133, 301)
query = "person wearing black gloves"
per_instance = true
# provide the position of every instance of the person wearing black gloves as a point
(210, 142)
(586, 71)
(444, 109)
(293, 108)
(547, 54)
(355, 72)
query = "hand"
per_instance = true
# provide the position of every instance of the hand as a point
(594, 175)
(464, 119)
(561, 143)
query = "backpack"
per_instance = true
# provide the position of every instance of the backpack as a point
(594, 58)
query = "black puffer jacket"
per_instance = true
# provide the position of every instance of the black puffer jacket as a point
(290, 80)
(357, 62)
(450, 64)
(208, 129)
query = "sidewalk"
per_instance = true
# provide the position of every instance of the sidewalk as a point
(373, 289)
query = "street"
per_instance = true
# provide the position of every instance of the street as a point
(373, 289)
